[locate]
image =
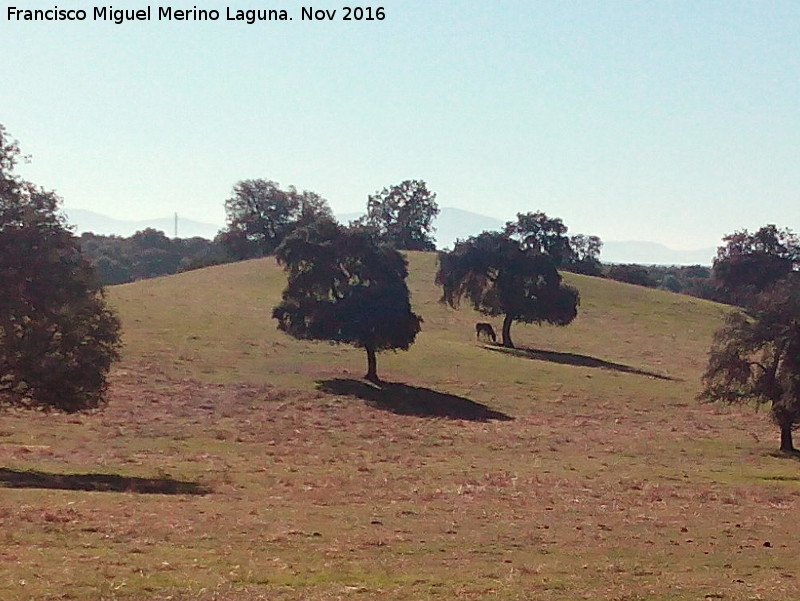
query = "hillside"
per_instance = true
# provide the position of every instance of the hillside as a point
(215, 323)
(233, 463)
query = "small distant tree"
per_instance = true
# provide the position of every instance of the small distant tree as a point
(260, 215)
(585, 255)
(403, 215)
(346, 287)
(499, 277)
(749, 263)
(755, 357)
(58, 337)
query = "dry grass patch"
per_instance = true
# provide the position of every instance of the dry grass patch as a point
(322, 496)
(233, 463)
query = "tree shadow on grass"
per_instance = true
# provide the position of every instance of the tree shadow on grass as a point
(793, 455)
(99, 483)
(411, 400)
(576, 360)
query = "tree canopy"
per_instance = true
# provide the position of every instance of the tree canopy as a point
(756, 357)
(148, 253)
(584, 255)
(548, 235)
(58, 337)
(260, 215)
(749, 263)
(499, 277)
(346, 287)
(403, 215)
(542, 234)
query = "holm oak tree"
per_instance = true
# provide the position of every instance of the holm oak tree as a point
(346, 287)
(403, 215)
(58, 337)
(261, 214)
(499, 277)
(755, 357)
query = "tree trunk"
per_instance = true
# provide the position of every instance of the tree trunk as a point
(507, 342)
(786, 439)
(372, 365)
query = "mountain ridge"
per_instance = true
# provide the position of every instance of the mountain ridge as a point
(452, 224)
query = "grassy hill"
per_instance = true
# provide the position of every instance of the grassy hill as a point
(215, 324)
(234, 463)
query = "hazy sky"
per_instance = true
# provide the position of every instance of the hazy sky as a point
(675, 122)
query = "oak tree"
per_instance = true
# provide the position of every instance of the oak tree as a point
(755, 357)
(58, 337)
(403, 215)
(261, 214)
(499, 277)
(749, 263)
(346, 287)
(585, 255)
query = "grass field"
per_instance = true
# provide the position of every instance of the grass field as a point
(234, 463)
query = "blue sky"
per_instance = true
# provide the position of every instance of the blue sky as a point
(674, 122)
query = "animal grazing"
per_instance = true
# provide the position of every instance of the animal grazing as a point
(486, 330)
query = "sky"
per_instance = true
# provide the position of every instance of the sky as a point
(673, 122)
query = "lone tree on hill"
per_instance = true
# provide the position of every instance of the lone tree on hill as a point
(57, 336)
(261, 214)
(756, 357)
(403, 215)
(750, 263)
(501, 278)
(346, 287)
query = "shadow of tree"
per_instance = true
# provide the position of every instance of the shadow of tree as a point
(99, 483)
(794, 455)
(576, 360)
(411, 400)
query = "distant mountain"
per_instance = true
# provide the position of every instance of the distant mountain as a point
(89, 221)
(451, 224)
(650, 253)
(456, 224)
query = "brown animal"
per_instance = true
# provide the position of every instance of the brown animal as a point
(486, 330)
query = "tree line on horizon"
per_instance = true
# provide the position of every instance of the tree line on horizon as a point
(260, 214)
(347, 284)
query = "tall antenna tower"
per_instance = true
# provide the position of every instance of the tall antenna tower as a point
(176, 225)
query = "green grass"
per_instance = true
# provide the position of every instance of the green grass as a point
(215, 324)
(610, 481)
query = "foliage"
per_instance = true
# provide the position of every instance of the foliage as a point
(756, 357)
(694, 280)
(499, 277)
(542, 234)
(148, 253)
(748, 263)
(58, 338)
(585, 255)
(548, 235)
(631, 274)
(260, 215)
(346, 287)
(403, 215)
